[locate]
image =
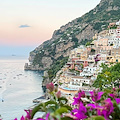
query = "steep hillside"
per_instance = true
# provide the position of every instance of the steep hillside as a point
(51, 54)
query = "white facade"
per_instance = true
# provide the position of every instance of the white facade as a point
(90, 69)
(118, 23)
(114, 40)
(112, 31)
(78, 81)
(83, 74)
(114, 37)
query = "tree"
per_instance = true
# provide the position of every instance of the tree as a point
(109, 77)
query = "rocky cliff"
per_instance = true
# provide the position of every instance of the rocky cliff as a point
(75, 33)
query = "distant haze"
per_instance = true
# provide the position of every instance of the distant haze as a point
(15, 50)
(25, 24)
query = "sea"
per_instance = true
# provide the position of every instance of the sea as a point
(18, 87)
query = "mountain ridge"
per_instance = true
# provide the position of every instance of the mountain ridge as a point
(74, 33)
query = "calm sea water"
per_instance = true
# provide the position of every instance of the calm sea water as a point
(19, 87)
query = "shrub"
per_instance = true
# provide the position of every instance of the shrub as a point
(99, 105)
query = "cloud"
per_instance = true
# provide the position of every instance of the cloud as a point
(24, 26)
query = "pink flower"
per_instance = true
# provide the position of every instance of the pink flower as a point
(47, 116)
(117, 100)
(28, 114)
(106, 109)
(22, 118)
(80, 113)
(50, 86)
(40, 119)
(95, 95)
(77, 99)
(113, 95)
(92, 106)
(114, 89)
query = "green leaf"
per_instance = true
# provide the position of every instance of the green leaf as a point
(99, 118)
(36, 109)
(67, 118)
(50, 102)
(68, 107)
(107, 90)
(51, 109)
(61, 110)
(56, 115)
(63, 99)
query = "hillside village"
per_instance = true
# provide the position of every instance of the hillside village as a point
(84, 62)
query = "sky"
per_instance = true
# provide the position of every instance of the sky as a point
(25, 24)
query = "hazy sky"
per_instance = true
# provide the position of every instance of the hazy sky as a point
(25, 24)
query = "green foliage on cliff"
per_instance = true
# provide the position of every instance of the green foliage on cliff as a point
(110, 76)
(56, 67)
(75, 40)
(98, 25)
(37, 59)
(102, 13)
(116, 3)
(83, 42)
(88, 43)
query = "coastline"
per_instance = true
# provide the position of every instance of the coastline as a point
(31, 67)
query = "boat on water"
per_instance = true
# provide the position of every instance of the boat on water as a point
(2, 86)
(13, 55)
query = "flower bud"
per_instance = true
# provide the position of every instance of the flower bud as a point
(50, 86)
(58, 94)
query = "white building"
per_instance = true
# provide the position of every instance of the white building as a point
(77, 81)
(88, 71)
(114, 40)
(118, 23)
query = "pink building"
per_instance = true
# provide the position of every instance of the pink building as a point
(83, 62)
